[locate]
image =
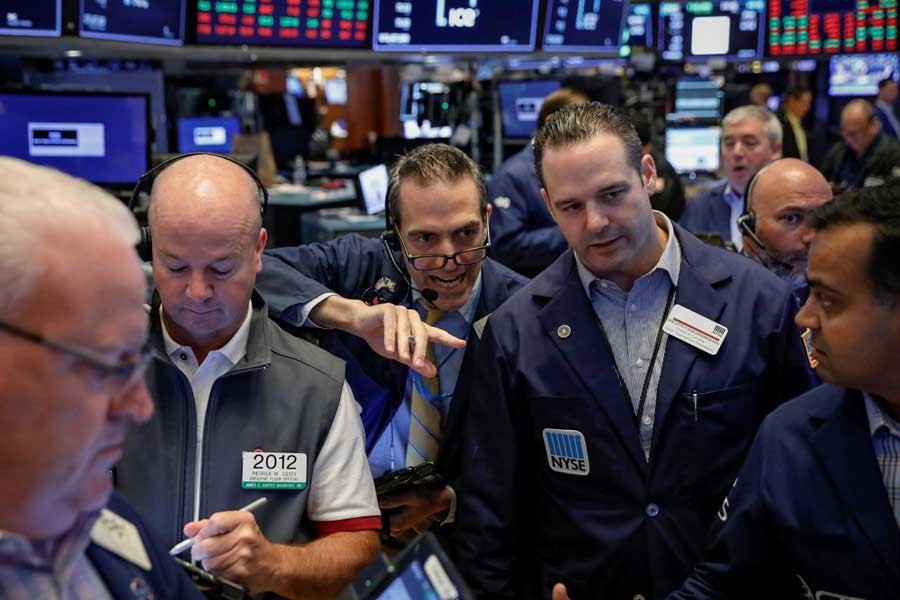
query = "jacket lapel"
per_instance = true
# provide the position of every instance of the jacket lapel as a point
(569, 321)
(844, 445)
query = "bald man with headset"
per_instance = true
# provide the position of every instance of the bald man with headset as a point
(776, 234)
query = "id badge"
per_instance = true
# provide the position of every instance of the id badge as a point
(273, 470)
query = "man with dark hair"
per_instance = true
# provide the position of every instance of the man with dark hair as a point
(814, 512)
(866, 156)
(525, 237)
(668, 195)
(884, 107)
(427, 282)
(795, 105)
(614, 396)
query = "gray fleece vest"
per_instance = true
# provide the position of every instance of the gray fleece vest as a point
(281, 397)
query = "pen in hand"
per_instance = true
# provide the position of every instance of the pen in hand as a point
(186, 544)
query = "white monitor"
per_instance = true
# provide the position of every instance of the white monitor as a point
(373, 185)
(693, 149)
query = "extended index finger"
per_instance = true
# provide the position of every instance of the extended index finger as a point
(439, 336)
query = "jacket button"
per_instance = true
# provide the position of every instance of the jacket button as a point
(652, 510)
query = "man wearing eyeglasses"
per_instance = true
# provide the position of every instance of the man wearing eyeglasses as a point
(71, 358)
(866, 156)
(244, 410)
(400, 308)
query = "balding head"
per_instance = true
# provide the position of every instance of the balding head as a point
(781, 195)
(859, 125)
(207, 249)
(206, 192)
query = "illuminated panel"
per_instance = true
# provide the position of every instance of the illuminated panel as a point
(455, 25)
(584, 25)
(31, 17)
(297, 23)
(147, 21)
(698, 30)
(831, 27)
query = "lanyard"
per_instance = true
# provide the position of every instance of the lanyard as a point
(646, 386)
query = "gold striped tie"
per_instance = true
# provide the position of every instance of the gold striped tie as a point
(424, 417)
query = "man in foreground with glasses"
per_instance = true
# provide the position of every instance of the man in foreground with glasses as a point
(402, 307)
(244, 410)
(71, 358)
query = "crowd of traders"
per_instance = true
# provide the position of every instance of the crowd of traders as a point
(648, 416)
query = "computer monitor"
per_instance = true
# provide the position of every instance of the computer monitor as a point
(336, 91)
(520, 105)
(831, 27)
(373, 186)
(342, 24)
(451, 25)
(31, 18)
(695, 31)
(638, 30)
(697, 100)
(589, 26)
(207, 134)
(146, 21)
(859, 74)
(693, 149)
(103, 138)
(422, 110)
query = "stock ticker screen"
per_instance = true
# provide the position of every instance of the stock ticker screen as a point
(696, 30)
(811, 27)
(475, 25)
(584, 25)
(31, 17)
(298, 23)
(148, 21)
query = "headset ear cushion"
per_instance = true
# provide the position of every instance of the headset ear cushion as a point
(145, 246)
(390, 238)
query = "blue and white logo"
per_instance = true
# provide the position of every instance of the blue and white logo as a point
(566, 451)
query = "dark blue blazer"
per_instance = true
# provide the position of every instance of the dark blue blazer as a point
(627, 527)
(708, 213)
(524, 236)
(126, 581)
(808, 516)
(351, 266)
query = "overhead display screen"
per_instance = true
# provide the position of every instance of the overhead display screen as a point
(811, 27)
(148, 21)
(455, 25)
(297, 23)
(31, 17)
(638, 30)
(695, 31)
(584, 25)
(859, 74)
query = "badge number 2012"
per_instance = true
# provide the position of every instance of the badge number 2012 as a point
(273, 470)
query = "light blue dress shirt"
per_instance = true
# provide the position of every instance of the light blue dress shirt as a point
(389, 452)
(886, 441)
(632, 321)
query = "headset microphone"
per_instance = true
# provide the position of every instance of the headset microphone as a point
(747, 224)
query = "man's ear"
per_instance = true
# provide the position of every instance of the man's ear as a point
(648, 174)
(260, 246)
(547, 202)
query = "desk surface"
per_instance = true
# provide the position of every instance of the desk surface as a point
(310, 197)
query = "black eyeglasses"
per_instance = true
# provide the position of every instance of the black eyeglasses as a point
(122, 372)
(432, 262)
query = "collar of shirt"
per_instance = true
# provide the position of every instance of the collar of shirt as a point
(58, 555)
(669, 261)
(879, 419)
(233, 351)
(466, 311)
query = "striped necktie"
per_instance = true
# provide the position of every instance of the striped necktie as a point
(424, 416)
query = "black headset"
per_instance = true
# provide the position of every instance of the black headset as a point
(747, 221)
(145, 185)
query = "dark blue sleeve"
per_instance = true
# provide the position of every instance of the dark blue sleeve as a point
(522, 234)
(493, 494)
(293, 276)
(744, 560)
(791, 372)
(694, 218)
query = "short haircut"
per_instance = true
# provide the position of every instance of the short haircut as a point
(878, 206)
(578, 123)
(862, 105)
(556, 100)
(771, 125)
(431, 164)
(885, 82)
(35, 204)
(796, 91)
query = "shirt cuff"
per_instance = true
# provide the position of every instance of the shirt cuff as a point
(324, 528)
(309, 306)
(450, 516)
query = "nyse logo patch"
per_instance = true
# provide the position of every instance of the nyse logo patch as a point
(566, 451)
